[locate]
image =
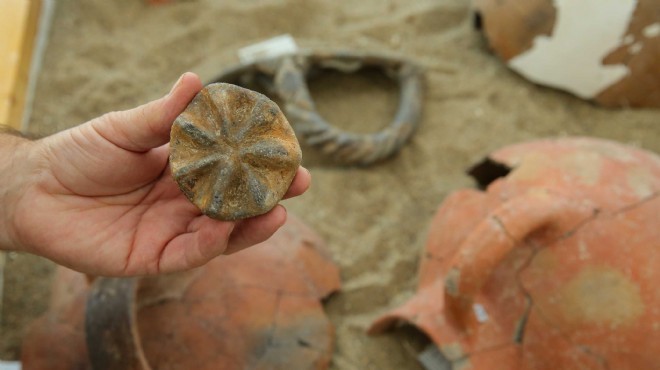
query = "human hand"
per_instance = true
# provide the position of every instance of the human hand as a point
(100, 198)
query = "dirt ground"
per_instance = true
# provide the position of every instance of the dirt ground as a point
(112, 55)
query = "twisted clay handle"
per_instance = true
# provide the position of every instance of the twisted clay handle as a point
(347, 147)
(110, 325)
(502, 230)
(285, 76)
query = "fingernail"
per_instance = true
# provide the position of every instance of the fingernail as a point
(309, 175)
(176, 85)
(286, 214)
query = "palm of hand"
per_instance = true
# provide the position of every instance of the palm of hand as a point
(132, 219)
(102, 199)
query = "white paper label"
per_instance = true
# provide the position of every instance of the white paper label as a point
(271, 48)
(10, 365)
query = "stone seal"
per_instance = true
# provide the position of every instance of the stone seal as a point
(233, 153)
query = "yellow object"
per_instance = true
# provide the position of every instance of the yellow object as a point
(18, 27)
(2, 279)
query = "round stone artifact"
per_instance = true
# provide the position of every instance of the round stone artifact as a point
(233, 153)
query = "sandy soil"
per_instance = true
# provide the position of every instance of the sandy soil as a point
(111, 55)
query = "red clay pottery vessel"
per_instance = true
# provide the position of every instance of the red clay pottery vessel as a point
(555, 266)
(256, 309)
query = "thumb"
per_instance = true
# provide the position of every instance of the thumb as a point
(148, 126)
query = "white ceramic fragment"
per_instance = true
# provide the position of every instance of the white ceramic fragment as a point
(585, 32)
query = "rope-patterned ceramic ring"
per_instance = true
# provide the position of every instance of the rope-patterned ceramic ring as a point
(286, 77)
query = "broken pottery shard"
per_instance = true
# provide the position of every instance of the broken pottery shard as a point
(556, 262)
(233, 153)
(604, 50)
(258, 309)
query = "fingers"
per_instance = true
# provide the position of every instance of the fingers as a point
(207, 239)
(255, 230)
(300, 183)
(148, 126)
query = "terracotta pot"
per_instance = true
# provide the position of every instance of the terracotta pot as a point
(554, 266)
(601, 50)
(257, 309)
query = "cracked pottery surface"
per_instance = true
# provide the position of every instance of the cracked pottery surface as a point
(258, 309)
(554, 266)
(601, 50)
(233, 153)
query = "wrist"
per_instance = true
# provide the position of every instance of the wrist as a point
(15, 169)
